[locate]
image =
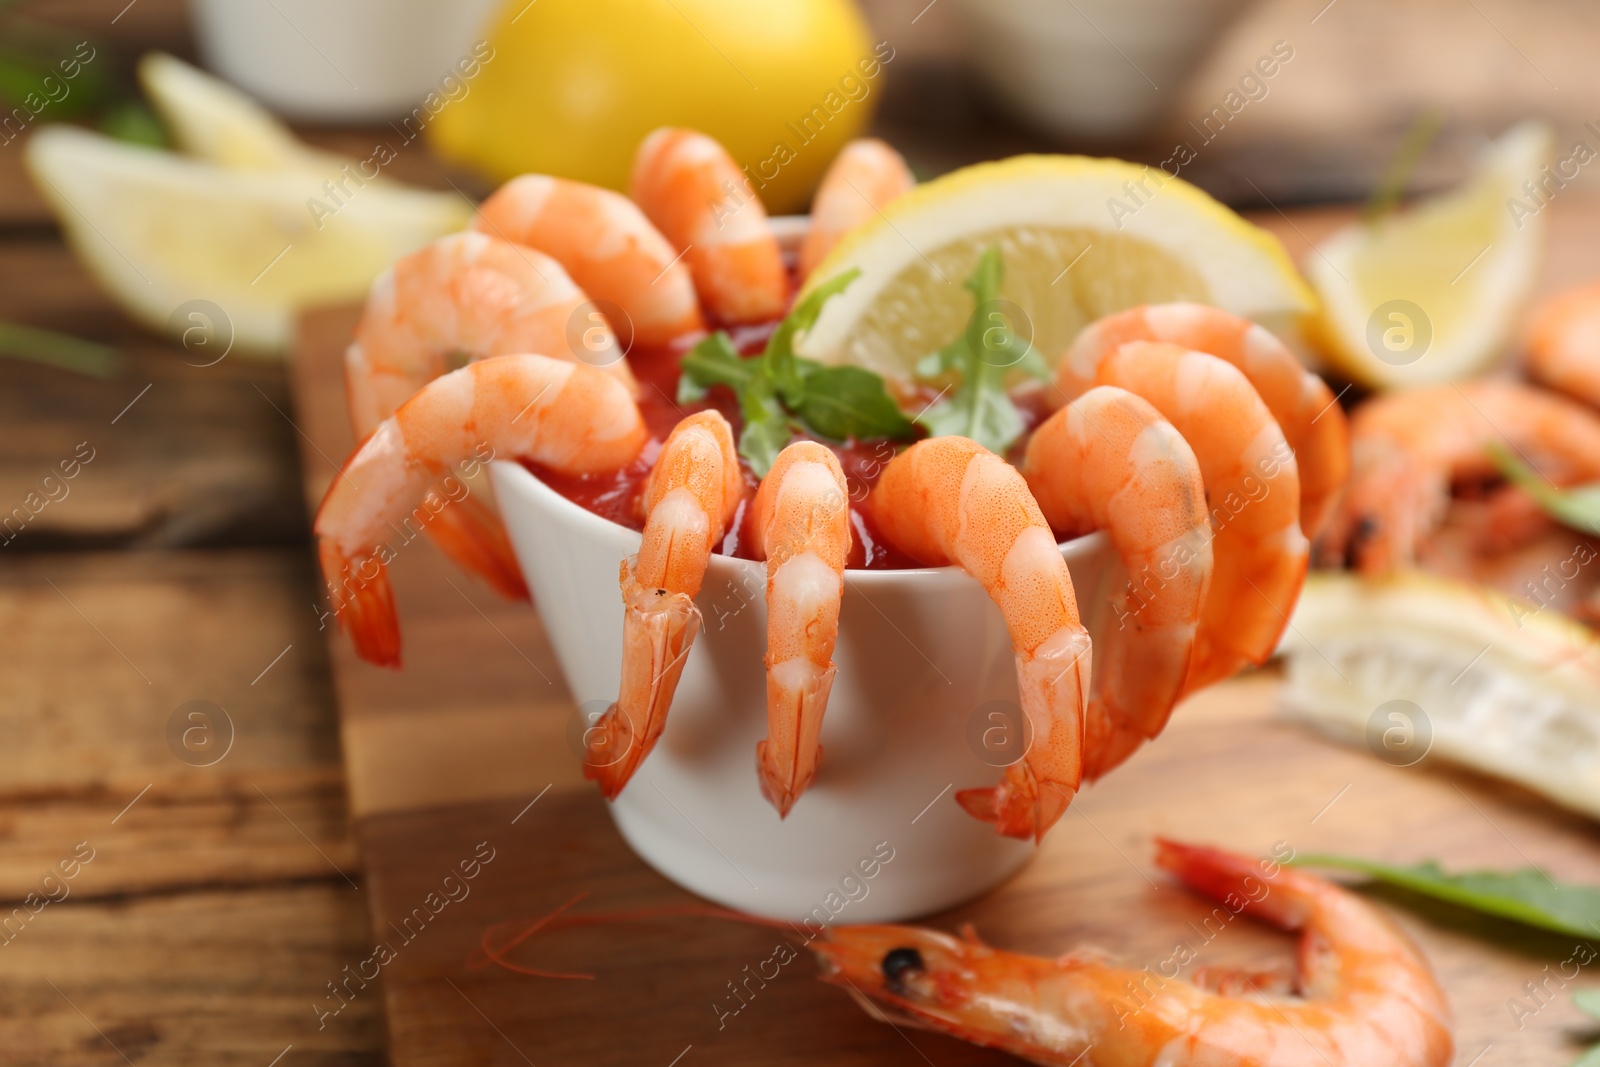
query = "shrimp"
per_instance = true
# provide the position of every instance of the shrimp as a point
(463, 297)
(693, 491)
(802, 528)
(950, 500)
(1564, 343)
(863, 178)
(1108, 460)
(1409, 447)
(690, 187)
(1363, 994)
(1252, 487)
(568, 416)
(1305, 409)
(604, 241)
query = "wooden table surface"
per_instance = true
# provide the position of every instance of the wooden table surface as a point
(221, 900)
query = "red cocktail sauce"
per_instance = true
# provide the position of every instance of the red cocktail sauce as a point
(615, 496)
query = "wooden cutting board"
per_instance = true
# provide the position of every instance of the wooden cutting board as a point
(461, 759)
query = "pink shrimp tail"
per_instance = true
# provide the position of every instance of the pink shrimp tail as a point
(363, 603)
(657, 632)
(471, 534)
(785, 770)
(1054, 685)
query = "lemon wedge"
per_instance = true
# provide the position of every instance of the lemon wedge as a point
(211, 120)
(1079, 239)
(161, 232)
(1433, 294)
(1417, 665)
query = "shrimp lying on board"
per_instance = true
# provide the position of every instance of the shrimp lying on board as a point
(567, 416)
(460, 298)
(688, 185)
(1563, 349)
(1253, 491)
(1108, 460)
(950, 500)
(1408, 448)
(608, 247)
(1363, 995)
(1301, 403)
(693, 491)
(863, 178)
(802, 529)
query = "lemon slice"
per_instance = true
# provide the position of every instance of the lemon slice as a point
(1080, 238)
(1416, 664)
(161, 231)
(1433, 294)
(211, 120)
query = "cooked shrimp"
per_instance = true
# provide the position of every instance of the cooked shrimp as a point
(463, 297)
(694, 489)
(1409, 447)
(802, 528)
(1109, 461)
(950, 500)
(1253, 490)
(1305, 409)
(568, 416)
(604, 241)
(864, 177)
(692, 189)
(1564, 343)
(1364, 994)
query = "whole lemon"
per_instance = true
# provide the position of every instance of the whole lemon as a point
(572, 86)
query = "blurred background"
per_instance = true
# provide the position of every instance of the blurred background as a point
(172, 578)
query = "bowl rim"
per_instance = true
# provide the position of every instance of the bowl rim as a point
(512, 475)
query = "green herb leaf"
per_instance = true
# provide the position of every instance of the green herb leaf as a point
(1397, 174)
(988, 349)
(779, 390)
(1588, 1001)
(58, 350)
(1527, 895)
(1588, 1059)
(844, 402)
(1578, 507)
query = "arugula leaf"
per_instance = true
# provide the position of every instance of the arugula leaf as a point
(1526, 895)
(986, 350)
(841, 402)
(779, 391)
(1578, 507)
(58, 350)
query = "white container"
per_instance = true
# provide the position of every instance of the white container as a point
(1095, 68)
(339, 60)
(922, 655)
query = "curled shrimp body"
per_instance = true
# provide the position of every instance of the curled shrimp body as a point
(1564, 343)
(1302, 404)
(606, 244)
(802, 528)
(565, 415)
(694, 489)
(690, 187)
(463, 297)
(1364, 994)
(863, 178)
(1109, 461)
(1409, 447)
(950, 500)
(1252, 489)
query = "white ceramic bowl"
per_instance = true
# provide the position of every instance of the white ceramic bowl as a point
(346, 61)
(1095, 68)
(922, 656)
